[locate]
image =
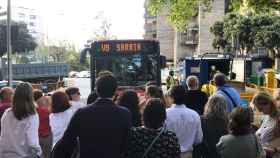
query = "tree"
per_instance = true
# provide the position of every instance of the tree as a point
(180, 11)
(219, 41)
(234, 27)
(57, 53)
(21, 40)
(73, 59)
(251, 31)
(245, 35)
(267, 32)
(104, 30)
(268, 36)
(257, 6)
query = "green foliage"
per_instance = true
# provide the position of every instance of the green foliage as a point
(21, 40)
(104, 30)
(268, 35)
(23, 60)
(65, 52)
(258, 6)
(219, 41)
(180, 11)
(250, 31)
(73, 58)
(245, 34)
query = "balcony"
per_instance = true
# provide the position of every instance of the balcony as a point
(149, 16)
(189, 39)
(150, 27)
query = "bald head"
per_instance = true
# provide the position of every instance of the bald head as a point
(6, 93)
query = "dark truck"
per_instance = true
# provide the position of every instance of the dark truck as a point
(42, 76)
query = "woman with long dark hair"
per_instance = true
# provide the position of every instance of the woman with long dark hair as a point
(130, 100)
(20, 123)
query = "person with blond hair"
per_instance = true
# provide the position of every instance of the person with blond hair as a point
(270, 127)
(214, 123)
(20, 123)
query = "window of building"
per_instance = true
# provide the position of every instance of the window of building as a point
(32, 16)
(32, 31)
(31, 24)
(154, 35)
(21, 15)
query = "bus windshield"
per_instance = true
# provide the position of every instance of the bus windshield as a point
(130, 70)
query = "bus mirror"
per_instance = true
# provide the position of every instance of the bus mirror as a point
(83, 55)
(232, 75)
(162, 61)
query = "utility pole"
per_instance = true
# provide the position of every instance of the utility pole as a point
(9, 47)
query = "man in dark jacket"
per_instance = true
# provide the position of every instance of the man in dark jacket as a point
(195, 99)
(101, 127)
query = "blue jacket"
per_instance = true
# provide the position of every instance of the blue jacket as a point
(234, 95)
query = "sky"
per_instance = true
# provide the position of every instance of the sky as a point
(75, 20)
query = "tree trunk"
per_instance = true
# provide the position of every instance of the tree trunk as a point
(277, 61)
(277, 64)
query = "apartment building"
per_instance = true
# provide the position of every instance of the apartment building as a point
(196, 39)
(30, 17)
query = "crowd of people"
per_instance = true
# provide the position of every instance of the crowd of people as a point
(183, 123)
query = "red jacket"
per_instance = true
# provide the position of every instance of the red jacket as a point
(44, 126)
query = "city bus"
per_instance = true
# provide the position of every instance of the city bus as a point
(133, 62)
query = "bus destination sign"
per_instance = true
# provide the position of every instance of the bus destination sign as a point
(120, 47)
(123, 47)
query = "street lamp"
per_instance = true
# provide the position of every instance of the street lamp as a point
(9, 47)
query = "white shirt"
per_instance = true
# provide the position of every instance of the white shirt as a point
(265, 132)
(19, 138)
(77, 105)
(186, 124)
(59, 122)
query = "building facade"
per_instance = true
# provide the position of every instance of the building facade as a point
(205, 21)
(31, 18)
(196, 39)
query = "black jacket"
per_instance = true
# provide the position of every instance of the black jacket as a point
(102, 129)
(196, 100)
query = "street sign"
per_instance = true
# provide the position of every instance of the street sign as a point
(3, 13)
